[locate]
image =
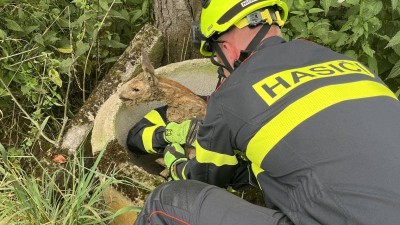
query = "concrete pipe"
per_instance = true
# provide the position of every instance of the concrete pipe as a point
(111, 127)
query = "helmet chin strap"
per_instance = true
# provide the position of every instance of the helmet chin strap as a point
(226, 65)
(243, 54)
(252, 45)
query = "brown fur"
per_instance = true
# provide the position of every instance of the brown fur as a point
(182, 103)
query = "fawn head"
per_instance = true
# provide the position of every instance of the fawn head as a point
(143, 87)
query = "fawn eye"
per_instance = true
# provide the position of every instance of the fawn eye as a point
(135, 89)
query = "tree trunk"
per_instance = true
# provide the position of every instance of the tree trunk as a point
(174, 19)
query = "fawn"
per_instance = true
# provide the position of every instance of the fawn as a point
(182, 103)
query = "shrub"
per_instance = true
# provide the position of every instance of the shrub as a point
(53, 53)
(367, 30)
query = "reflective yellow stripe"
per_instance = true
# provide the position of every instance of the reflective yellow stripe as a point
(207, 156)
(183, 172)
(299, 111)
(147, 138)
(154, 117)
(256, 170)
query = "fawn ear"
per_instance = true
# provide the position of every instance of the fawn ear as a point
(148, 69)
(146, 64)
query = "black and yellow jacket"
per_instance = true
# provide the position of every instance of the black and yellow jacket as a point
(321, 130)
(147, 136)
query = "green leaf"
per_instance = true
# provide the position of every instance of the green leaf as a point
(124, 14)
(373, 64)
(12, 25)
(349, 23)
(394, 41)
(367, 49)
(370, 8)
(113, 44)
(112, 59)
(351, 53)
(358, 32)
(81, 19)
(29, 29)
(50, 37)
(315, 10)
(136, 15)
(398, 93)
(343, 38)
(353, 2)
(81, 48)
(394, 4)
(3, 34)
(103, 4)
(44, 123)
(289, 4)
(298, 24)
(300, 13)
(326, 4)
(39, 39)
(62, 22)
(374, 24)
(383, 37)
(3, 153)
(396, 49)
(55, 77)
(300, 5)
(4, 2)
(145, 7)
(66, 49)
(65, 65)
(395, 72)
(119, 15)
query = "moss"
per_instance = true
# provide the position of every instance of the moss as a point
(117, 158)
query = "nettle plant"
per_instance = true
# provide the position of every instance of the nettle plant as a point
(53, 53)
(366, 30)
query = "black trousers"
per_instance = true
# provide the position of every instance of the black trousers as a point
(196, 203)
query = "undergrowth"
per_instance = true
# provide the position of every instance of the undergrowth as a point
(72, 194)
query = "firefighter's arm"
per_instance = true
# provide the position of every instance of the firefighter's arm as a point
(219, 174)
(215, 160)
(147, 136)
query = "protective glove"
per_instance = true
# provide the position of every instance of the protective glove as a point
(174, 154)
(183, 133)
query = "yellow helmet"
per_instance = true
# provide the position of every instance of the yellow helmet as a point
(218, 16)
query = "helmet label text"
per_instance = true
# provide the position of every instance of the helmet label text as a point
(247, 2)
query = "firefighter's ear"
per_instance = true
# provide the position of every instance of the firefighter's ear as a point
(230, 51)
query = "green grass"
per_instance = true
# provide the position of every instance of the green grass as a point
(69, 195)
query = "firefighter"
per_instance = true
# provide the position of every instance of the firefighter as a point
(320, 130)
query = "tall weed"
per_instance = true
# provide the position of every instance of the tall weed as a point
(70, 195)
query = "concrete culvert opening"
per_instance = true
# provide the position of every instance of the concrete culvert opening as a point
(198, 75)
(114, 120)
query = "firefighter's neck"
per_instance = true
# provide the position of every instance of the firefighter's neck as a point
(237, 40)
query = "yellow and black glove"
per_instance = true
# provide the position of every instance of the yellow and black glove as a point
(182, 133)
(174, 154)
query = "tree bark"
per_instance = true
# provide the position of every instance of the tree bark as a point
(174, 19)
